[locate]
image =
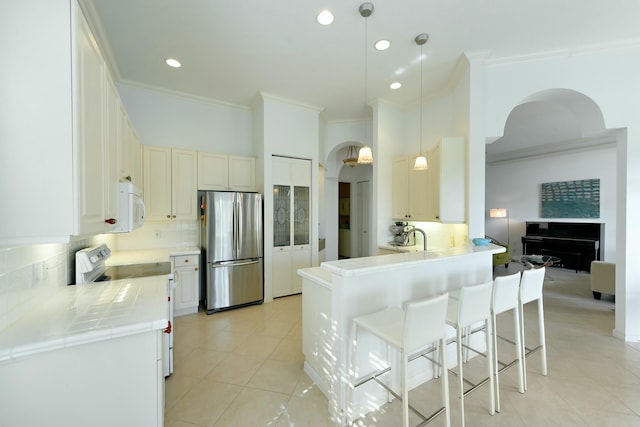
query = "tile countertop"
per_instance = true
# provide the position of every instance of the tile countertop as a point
(83, 314)
(149, 255)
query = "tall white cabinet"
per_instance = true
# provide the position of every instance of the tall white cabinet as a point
(57, 121)
(291, 223)
(170, 183)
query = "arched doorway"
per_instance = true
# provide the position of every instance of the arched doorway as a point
(346, 218)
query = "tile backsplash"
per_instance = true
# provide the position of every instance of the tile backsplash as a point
(152, 235)
(30, 274)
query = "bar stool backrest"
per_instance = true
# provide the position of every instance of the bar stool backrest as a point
(475, 304)
(531, 284)
(505, 292)
(424, 322)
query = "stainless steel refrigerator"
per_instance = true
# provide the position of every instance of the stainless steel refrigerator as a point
(231, 224)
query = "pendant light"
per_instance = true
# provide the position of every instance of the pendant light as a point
(365, 156)
(352, 158)
(421, 161)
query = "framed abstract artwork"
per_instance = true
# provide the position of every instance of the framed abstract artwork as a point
(570, 199)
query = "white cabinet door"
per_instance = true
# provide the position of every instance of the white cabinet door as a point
(184, 181)
(222, 172)
(242, 173)
(212, 171)
(187, 281)
(114, 146)
(170, 180)
(400, 188)
(92, 176)
(452, 180)
(281, 271)
(157, 183)
(419, 208)
(134, 155)
(300, 258)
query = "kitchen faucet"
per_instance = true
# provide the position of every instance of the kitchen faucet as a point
(424, 237)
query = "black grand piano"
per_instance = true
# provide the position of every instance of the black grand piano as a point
(575, 243)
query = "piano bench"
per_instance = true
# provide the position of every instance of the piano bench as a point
(603, 278)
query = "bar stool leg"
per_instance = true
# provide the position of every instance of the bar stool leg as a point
(543, 341)
(460, 376)
(495, 359)
(519, 344)
(444, 381)
(489, 341)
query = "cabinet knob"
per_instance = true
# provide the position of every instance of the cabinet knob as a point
(111, 221)
(128, 178)
(168, 216)
(195, 269)
(173, 216)
(186, 260)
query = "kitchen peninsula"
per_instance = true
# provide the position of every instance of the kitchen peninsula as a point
(338, 291)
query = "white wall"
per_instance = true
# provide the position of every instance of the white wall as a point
(291, 129)
(179, 121)
(515, 185)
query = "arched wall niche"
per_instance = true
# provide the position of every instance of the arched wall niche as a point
(549, 121)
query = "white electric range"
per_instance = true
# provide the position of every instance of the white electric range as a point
(91, 269)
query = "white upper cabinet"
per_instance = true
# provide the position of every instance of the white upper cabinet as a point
(170, 191)
(58, 161)
(437, 194)
(452, 176)
(222, 172)
(410, 191)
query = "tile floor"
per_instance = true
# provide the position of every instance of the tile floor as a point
(245, 368)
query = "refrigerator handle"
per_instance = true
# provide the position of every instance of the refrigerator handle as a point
(235, 225)
(235, 263)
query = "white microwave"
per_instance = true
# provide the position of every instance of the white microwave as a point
(132, 211)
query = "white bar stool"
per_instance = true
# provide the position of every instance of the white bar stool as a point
(531, 290)
(505, 297)
(413, 331)
(473, 305)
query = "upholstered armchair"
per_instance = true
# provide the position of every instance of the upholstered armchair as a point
(501, 258)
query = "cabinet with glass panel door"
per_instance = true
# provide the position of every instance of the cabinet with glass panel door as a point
(291, 223)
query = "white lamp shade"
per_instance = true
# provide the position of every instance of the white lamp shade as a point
(365, 156)
(498, 213)
(421, 164)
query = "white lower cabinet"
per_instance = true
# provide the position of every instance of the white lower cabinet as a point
(115, 382)
(186, 276)
(286, 261)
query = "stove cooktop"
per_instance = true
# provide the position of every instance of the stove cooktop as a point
(118, 272)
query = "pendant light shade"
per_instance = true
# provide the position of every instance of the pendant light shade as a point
(365, 156)
(421, 161)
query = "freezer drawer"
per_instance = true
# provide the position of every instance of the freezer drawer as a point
(234, 283)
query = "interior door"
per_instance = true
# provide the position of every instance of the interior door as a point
(363, 218)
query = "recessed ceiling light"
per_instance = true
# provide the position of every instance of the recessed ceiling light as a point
(395, 85)
(325, 17)
(383, 44)
(172, 62)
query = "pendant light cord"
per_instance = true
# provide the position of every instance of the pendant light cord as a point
(366, 67)
(421, 91)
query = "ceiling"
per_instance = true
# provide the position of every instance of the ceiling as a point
(230, 50)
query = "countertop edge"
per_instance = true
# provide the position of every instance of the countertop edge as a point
(369, 265)
(317, 275)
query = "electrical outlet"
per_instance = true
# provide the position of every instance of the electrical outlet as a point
(157, 234)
